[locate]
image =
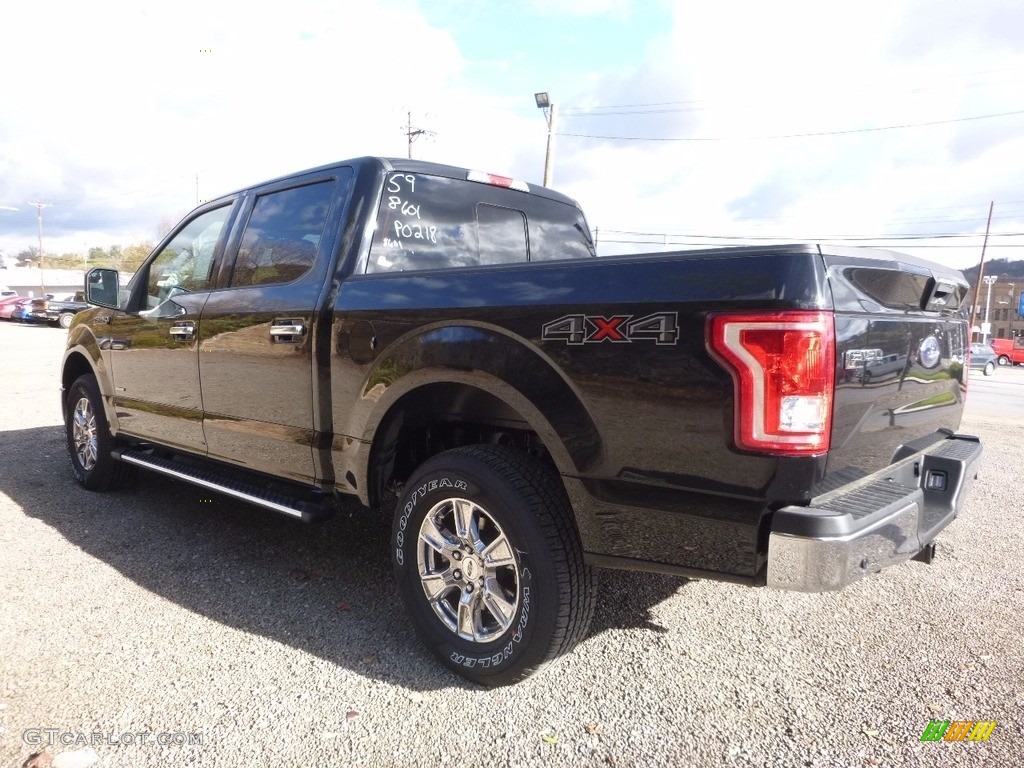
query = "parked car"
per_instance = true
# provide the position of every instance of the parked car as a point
(9, 308)
(8, 302)
(983, 357)
(30, 311)
(1009, 351)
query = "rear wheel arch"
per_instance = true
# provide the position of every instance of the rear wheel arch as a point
(519, 376)
(442, 415)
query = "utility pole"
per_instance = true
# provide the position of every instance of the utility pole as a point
(411, 134)
(39, 211)
(981, 271)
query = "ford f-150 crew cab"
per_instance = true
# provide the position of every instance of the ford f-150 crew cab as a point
(445, 346)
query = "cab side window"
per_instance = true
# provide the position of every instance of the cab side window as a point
(283, 235)
(186, 263)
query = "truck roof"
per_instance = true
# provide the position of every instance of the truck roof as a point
(389, 164)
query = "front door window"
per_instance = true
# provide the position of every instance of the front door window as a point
(185, 265)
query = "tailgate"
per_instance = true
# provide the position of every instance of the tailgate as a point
(901, 355)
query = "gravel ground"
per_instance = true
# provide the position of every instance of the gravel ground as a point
(161, 610)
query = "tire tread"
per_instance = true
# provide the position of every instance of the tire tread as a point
(543, 493)
(109, 474)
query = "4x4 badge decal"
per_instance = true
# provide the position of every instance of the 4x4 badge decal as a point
(660, 327)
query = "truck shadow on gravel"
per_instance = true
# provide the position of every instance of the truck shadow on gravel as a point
(326, 589)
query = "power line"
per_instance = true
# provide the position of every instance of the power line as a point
(798, 135)
(740, 241)
(849, 238)
(943, 84)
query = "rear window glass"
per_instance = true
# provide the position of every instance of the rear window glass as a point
(433, 222)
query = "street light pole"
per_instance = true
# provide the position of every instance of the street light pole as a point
(551, 115)
(989, 280)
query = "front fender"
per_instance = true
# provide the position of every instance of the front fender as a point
(84, 355)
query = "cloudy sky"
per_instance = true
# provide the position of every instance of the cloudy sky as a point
(688, 123)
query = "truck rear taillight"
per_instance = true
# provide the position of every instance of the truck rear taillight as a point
(783, 369)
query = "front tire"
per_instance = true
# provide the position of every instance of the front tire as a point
(990, 368)
(88, 438)
(489, 563)
(64, 320)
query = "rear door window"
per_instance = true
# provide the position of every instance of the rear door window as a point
(283, 234)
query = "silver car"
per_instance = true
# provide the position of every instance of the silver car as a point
(984, 358)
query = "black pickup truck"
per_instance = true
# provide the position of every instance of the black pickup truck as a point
(444, 345)
(62, 312)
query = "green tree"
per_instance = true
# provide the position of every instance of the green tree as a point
(134, 255)
(28, 257)
(65, 261)
(98, 257)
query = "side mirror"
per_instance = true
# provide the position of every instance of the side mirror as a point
(102, 287)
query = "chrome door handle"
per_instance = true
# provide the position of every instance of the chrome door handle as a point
(183, 331)
(287, 331)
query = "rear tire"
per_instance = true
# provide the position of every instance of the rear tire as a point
(88, 439)
(1004, 360)
(489, 563)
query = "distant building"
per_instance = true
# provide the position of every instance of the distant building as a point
(28, 281)
(1003, 312)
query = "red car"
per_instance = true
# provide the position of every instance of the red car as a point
(1009, 351)
(8, 304)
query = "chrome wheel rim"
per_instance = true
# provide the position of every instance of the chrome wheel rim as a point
(83, 434)
(468, 569)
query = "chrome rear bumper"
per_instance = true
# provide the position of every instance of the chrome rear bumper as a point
(877, 521)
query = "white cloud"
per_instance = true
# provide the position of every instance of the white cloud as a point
(144, 98)
(110, 110)
(746, 69)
